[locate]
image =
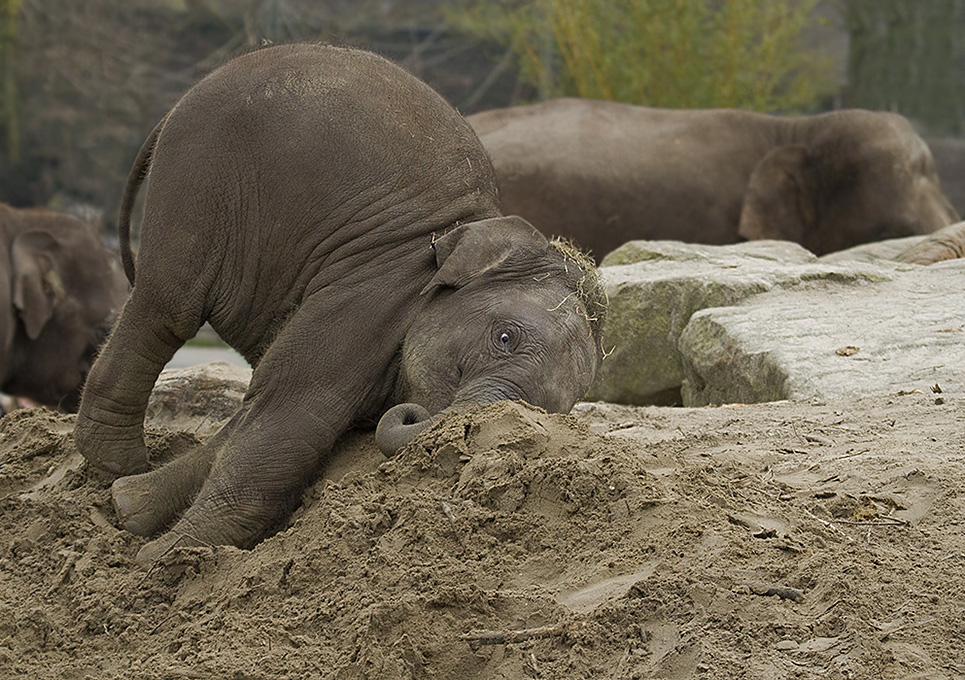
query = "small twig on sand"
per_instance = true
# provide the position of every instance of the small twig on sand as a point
(163, 621)
(767, 589)
(883, 522)
(452, 520)
(852, 455)
(826, 523)
(505, 637)
(887, 633)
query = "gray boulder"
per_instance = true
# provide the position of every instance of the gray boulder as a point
(831, 340)
(198, 399)
(655, 286)
(634, 252)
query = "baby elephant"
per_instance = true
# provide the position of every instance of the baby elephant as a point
(337, 223)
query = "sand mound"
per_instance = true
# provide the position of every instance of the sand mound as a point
(766, 541)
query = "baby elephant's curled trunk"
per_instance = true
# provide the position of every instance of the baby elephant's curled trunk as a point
(399, 426)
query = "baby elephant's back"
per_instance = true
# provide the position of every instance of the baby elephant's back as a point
(290, 168)
(319, 128)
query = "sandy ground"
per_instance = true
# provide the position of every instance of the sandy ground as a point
(784, 540)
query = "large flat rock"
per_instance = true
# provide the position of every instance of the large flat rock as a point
(656, 286)
(828, 340)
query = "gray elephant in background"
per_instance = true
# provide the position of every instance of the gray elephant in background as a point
(603, 173)
(60, 290)
(336, 221)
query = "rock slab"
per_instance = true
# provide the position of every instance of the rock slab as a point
(656, 286)
(831, 341)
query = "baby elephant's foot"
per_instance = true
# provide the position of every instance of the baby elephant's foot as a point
(138, 508)
(148, 503)
(103, 448)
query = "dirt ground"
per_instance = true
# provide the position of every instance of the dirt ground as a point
(783, 540)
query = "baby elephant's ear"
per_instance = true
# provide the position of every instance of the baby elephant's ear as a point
(472, 249)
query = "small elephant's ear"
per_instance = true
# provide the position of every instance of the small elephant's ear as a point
(470, 250)
(37, 285)
(779, 202)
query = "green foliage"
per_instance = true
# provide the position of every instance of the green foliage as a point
(908, 57)
(667, 53)
(9, 15)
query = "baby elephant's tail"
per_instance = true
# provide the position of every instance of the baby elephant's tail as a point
(134, 180)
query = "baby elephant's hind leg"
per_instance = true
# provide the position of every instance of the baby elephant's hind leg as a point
(110, 423)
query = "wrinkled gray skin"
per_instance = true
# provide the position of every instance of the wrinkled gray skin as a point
(944, 244)
(603, 173)
(60, 290)
(337, 223)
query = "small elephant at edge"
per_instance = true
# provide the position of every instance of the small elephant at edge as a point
(337, 223)
(604, 173)
(947, 243)
(61, 290)
(944, 244)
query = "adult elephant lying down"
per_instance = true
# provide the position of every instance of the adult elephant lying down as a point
(337, 223)
(603, 173)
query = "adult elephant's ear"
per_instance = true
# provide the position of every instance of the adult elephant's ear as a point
(37, 285)
(779, 202)
(472, 249)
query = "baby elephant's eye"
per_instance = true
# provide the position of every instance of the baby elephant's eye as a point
(505, 338)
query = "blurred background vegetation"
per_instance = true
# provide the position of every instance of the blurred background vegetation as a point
(83, 82)
(667, 53)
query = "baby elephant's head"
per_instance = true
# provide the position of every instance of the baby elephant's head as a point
(509, 316)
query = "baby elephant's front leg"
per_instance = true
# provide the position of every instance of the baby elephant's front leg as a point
(150, 502)
(257, 478)
(298, 401)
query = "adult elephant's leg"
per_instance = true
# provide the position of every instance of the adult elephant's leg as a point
(149, 502)
(304, 392)
(110, 423)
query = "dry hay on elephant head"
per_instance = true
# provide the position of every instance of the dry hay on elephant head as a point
(589, 288)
